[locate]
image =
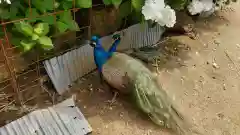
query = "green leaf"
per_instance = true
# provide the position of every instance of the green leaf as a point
(48, 4)
(41, 29)
(25, 28)
(116, 2)
(138, 4)
(107, 2)
(15, 41)
(73, 26)
(4, 14)
(38, 4)
(48, 19)
(33, 14)
(62, 27)
(84, 3)
(66, 4)
(13, 13)
(43, 5)
(45, 42)
(65, 17)
(27, 45)
(125, 9)
(18, 5)
(35, 37)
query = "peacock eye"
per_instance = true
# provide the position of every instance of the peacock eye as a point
(93, 44)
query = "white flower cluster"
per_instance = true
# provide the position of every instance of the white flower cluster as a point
(7, 1)
(157, 11)
(201, 6)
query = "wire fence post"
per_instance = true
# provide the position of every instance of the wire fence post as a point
(13, 80)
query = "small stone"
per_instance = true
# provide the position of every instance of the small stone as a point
(238, 45)
(220, 115)
(183, 78)
(91, 89)
(121, 114)
(216, 42)
(149, 132)
(215, 65)
(179, 59)
(224, 86)
(205, 45)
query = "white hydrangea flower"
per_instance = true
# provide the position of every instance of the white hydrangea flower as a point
(7, 1)
(200, 6)
(157, 11)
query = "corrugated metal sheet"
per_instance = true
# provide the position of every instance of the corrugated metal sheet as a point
(67, 68)
(61, 119)
(136, 36)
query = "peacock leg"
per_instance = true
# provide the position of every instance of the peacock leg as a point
(101, 78)
(114, 97)
(111, 89)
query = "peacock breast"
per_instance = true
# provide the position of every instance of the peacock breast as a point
(115, 70)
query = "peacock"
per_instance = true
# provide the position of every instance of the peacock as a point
(130, 76)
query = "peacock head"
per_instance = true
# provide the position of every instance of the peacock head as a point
(116, 37)
(94, 41)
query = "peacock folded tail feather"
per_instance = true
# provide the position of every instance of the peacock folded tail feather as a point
(130, 76)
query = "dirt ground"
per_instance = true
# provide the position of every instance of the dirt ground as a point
(204, 80)
(203, 77)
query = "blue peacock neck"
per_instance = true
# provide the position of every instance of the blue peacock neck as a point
(114, 46)
(101, 56)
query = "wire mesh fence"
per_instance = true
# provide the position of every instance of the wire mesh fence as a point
(22, 74)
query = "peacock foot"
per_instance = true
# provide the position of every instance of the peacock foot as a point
(113, 100)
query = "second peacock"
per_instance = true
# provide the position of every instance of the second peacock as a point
(130, 76)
